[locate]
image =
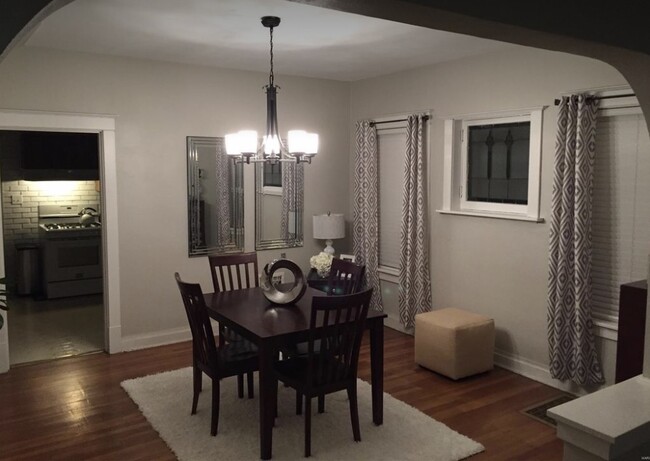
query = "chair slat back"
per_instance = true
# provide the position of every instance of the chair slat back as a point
(203, 344)
(337, 322)
(345, 277)
(234, 271)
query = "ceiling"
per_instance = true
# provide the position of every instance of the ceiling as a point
(310, 41)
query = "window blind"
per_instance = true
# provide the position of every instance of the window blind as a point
(391, 143)
(621, 216)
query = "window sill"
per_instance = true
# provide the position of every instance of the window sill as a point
(388, 274)
(271, 190)
(479, 214)
(606, 329)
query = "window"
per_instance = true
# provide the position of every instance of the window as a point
(497, 163)
(621, 217)
(273, 174)
(492, 165)
(391, 146)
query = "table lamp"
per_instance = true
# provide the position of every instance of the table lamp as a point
(329, 227)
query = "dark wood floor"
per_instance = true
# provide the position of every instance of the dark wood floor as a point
(75, 409)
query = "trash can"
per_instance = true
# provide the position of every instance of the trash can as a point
(28, 272)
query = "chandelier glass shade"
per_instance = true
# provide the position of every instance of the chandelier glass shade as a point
(243, 146)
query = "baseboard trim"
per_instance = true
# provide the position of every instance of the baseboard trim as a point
(395, 324)
(158, 338)
(535, 371)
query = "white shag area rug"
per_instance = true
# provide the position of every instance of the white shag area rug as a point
(165, 399)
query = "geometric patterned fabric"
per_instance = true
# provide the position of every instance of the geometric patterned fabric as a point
(365, 216)
(293, 179)
(572, 350)
(414, 275)
(223, 186)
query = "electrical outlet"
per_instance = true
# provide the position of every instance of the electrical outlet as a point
(283, 255)
(277, 278)
(17, 199)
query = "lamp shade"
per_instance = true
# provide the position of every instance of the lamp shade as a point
(329, 226)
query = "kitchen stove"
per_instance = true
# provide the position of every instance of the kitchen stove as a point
(54, 227)
(72, 251)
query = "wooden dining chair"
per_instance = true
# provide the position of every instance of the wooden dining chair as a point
(345, 277)
(337, 325)
(220, 362)
(233, 272)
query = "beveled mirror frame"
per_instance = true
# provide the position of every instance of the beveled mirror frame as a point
(294, 239)
(198, 244)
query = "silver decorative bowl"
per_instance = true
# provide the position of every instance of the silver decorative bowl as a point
(281, 293)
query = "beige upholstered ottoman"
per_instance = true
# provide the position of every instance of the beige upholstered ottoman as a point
(454, 342)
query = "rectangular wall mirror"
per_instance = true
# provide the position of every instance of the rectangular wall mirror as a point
(278, 205)
(215, 198)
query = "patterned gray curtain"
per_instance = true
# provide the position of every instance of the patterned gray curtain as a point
(571, 341)
(414, 278)
(224, 185)
(365, 238)
(198, 240)
(293, 179)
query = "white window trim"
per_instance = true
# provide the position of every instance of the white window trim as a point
(455, 161)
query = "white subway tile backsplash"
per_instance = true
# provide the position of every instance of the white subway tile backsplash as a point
(21, 221)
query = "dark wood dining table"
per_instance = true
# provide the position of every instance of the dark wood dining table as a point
(271, 327)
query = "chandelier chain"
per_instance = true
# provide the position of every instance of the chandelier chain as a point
(271, 76)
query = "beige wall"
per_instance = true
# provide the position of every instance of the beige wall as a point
(156, 106)
(491, 266)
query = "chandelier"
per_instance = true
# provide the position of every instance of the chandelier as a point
(243, 145)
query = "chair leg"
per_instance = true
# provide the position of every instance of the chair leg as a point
(196, 386)
(251, 387)
(354, 411)
(240, 386)
(307, 427)
(298, 403)
(321, 403)
(214, 421)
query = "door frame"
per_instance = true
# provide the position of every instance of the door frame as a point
(104, 125)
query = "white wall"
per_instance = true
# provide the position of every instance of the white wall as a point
(157, 105)
(490, 266)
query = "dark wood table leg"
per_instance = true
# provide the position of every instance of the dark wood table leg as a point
(377, 370)
(267, 406)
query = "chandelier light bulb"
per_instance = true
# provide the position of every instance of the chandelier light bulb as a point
(232, 144)
(311, 143)
(248, 141)
(271, 145)
(296, 141)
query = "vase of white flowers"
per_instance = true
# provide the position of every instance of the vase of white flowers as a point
(322, 263)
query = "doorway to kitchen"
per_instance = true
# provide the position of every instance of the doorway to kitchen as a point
(52, 243)
(73, 234)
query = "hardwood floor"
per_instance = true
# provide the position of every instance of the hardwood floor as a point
(75, 409)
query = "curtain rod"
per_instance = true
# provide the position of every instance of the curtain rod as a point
(627, 95)
(425, 118)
